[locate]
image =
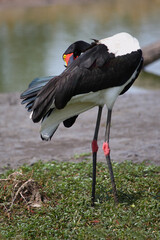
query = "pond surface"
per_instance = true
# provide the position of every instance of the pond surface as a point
(32, 40)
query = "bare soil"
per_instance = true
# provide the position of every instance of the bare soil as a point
(135, 132)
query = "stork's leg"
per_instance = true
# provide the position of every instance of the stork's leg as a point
(94, 152)
(106, 150)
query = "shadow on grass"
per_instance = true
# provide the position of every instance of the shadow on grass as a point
(123, 197)
(129, 198)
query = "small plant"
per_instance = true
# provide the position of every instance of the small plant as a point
(64, 210)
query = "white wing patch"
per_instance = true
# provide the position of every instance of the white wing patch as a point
(121, 44)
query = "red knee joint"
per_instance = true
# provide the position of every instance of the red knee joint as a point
(106, 148)
(94, 146)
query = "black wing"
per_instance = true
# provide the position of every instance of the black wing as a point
(29, 96)
(94, 70)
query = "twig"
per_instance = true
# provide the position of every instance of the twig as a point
(151, 53)
(19, 190)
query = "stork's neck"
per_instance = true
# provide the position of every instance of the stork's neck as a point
(121, 44)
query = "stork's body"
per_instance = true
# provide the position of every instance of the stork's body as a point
(96, 78)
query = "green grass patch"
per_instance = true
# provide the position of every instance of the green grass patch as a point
(66, 211)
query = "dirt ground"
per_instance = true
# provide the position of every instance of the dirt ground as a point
(135, 132)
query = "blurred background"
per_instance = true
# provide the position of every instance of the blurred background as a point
(34, 34)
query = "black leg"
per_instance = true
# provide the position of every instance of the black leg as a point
(107, 154)
(94, 153)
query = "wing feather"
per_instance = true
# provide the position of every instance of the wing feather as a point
(94, 70)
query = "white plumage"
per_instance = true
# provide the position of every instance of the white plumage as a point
(121, 44)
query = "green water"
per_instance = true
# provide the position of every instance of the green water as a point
(32, 40)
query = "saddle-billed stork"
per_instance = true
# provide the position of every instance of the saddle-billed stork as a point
(105, 70)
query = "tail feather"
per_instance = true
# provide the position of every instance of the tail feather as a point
(44, 100)
(29, 96)
(40, 80)
(35, 86)
(29, 99)
(42, 108)
(29, 106)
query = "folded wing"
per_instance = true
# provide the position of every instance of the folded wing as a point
(94, 70)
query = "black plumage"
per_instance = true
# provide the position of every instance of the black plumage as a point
(95, 70)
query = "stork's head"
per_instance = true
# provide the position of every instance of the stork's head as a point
(74, 51)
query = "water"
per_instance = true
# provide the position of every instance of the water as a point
(32, 40)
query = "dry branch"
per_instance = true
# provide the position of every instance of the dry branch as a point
(27, 190)
(151, 53)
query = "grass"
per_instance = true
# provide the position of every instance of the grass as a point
(66, 212)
